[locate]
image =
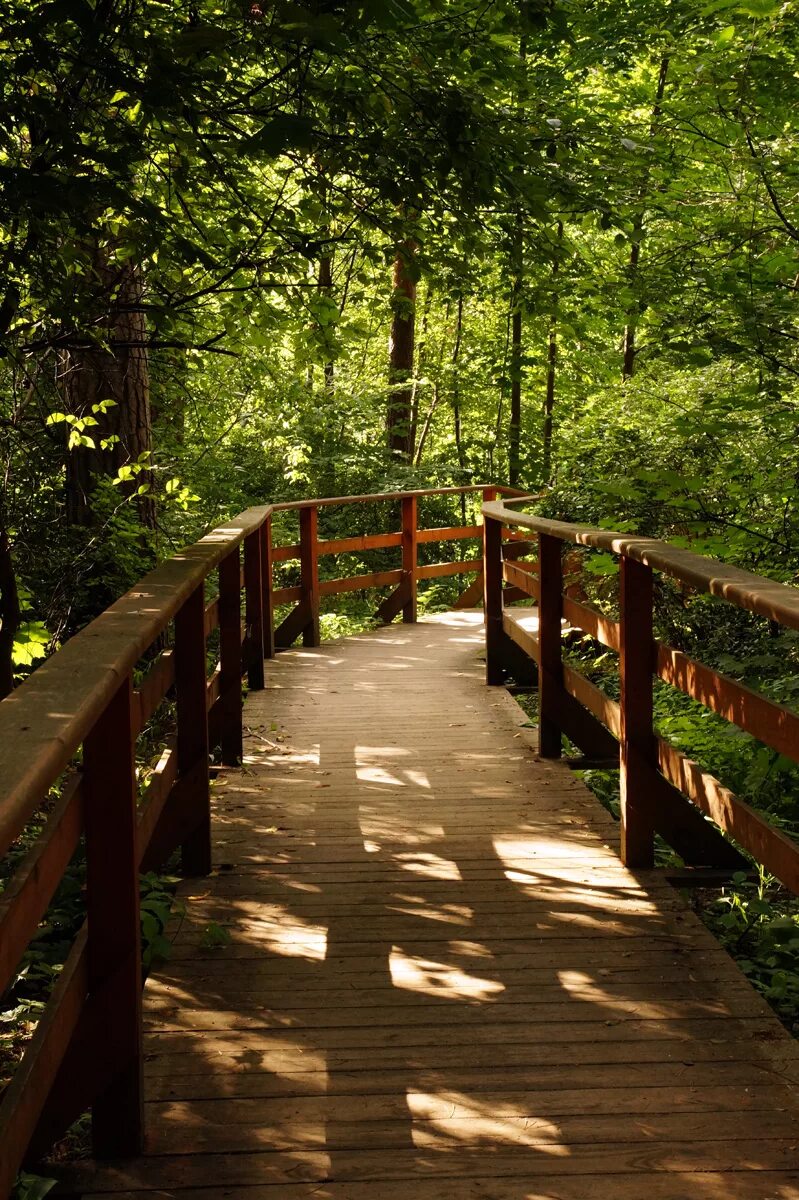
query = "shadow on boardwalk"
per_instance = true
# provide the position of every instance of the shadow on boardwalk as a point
(440, 981)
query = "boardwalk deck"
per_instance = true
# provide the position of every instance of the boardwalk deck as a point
(441, 983)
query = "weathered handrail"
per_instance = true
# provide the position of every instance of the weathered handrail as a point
(87, 1048)
(661, 789)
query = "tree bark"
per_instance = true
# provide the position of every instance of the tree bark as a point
(552, 362)
(326, 288)
(629, 346)
(401, 354)
(118, 371)
(9, 615)
(515, 427)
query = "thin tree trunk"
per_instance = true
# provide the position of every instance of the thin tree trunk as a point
(401, 354)
(421, 354)
(9, 615)
(118, 372)
(552, 362)
(326, 289)
(434, 403)
(629, 346)
(515, 428)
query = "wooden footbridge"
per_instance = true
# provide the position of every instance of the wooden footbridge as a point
(413, 957)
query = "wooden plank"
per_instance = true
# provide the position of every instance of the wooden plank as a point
(152, 689)
(254, 609)
(213, 688)
(493, 602)
(453, 533)
(287, 595)
(268, 615)
(309, 567)
(776, 601)
(764, 719)
(357, 545)
(211, 621)
(191, 758)
(410, 568)
(439, 570)
(286, 553)
(636, 736)
(24, 1099)
(767, 845)
(377, 579)
(230, 658)
(28, 892)
(550, 663)
(112, 911)
(521, 577)
(292, 625)
(156, 797)
(601, 628)
(472, 595)
(393, 604)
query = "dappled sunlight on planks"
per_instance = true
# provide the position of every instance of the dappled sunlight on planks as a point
(440, 983)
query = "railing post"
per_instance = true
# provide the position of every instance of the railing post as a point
(192, 721)
(550, 662)
(254, 610)
(230, 657)
(309, 567)
(114, 939)
(268, 617)
(636, 665)
(409, 555)
(492, 598)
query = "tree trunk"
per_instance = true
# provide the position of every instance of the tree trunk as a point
(552, 362)
(421, 354)
(118, 372)
(9, 615)
(515, 428)
(326, 288)
(401, 353)
(629, 347)
(456, 401)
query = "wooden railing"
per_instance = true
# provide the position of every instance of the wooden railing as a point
(71, 730)
(662, 790)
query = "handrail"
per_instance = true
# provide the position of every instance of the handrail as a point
(661, 789)
(83, 699)
(777, 601)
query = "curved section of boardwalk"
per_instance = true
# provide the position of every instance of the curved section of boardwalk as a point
(440, 983)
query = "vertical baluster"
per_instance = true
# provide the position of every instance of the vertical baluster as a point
(230, 657)
(114, 940)
(254, 610)
(636, 664)
(409, 556)
(268, 618)
(309, 567)
(192, 719)
(550, 662)
(492, 598)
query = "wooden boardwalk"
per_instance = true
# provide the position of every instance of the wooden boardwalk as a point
(440, 983)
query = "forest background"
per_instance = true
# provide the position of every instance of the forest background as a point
(253, 252)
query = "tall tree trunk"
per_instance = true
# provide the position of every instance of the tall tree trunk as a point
(118, 372)
(326, 288)
(9, 615)
(456, 398)
(421, 355)
(634, 312)
(401, 354)
(435, 401)
(552, 362)
(515, 426)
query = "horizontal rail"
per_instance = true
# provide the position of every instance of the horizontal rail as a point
(776, 601)
(649, 763)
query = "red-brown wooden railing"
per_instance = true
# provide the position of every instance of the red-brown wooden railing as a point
(83, 703)
(662, 790)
